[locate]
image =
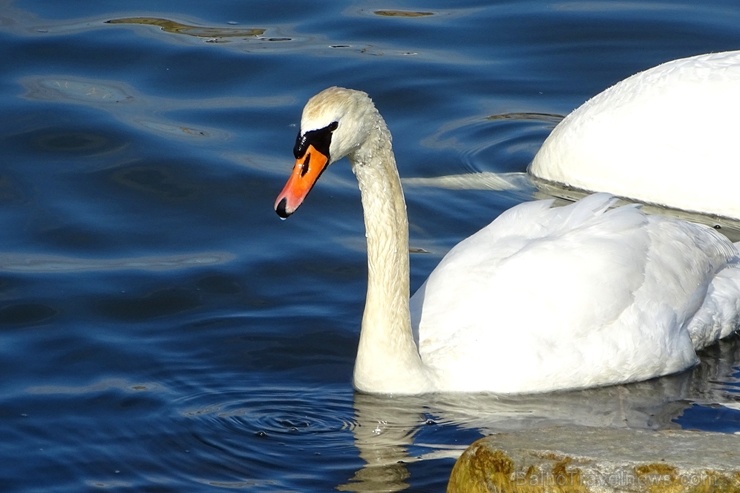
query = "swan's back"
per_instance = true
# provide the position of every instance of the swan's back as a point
(569, 297)
(665, 136)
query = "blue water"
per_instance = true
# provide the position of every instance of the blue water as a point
(161, 330)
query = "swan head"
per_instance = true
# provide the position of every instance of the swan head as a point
(335, 123)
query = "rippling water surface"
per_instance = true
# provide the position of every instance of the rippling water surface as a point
(162, 330)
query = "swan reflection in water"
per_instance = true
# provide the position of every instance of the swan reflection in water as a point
(389, 431)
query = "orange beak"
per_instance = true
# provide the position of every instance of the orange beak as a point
(305, 173)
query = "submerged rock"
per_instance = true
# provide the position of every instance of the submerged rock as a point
(599, 460)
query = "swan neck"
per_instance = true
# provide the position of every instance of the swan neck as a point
(387, 360)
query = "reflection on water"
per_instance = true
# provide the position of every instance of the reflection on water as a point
(401, 13)
(97, 92)
(15, 262)
(174, 27)
(387, 428)
(137, 110)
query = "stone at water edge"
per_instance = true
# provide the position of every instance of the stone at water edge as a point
(599, 460)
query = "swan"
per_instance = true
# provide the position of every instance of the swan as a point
(544, 298)
(665, 136)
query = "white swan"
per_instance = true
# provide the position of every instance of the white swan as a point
(665, 136)
(541, 299)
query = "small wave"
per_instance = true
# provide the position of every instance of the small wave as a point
(37, 263)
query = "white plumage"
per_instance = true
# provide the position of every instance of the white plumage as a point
(664, 136)
(578, 296)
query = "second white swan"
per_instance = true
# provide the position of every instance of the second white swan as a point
(544, 298)
(664, 136)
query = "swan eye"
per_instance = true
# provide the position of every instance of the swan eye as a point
(320, 139)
